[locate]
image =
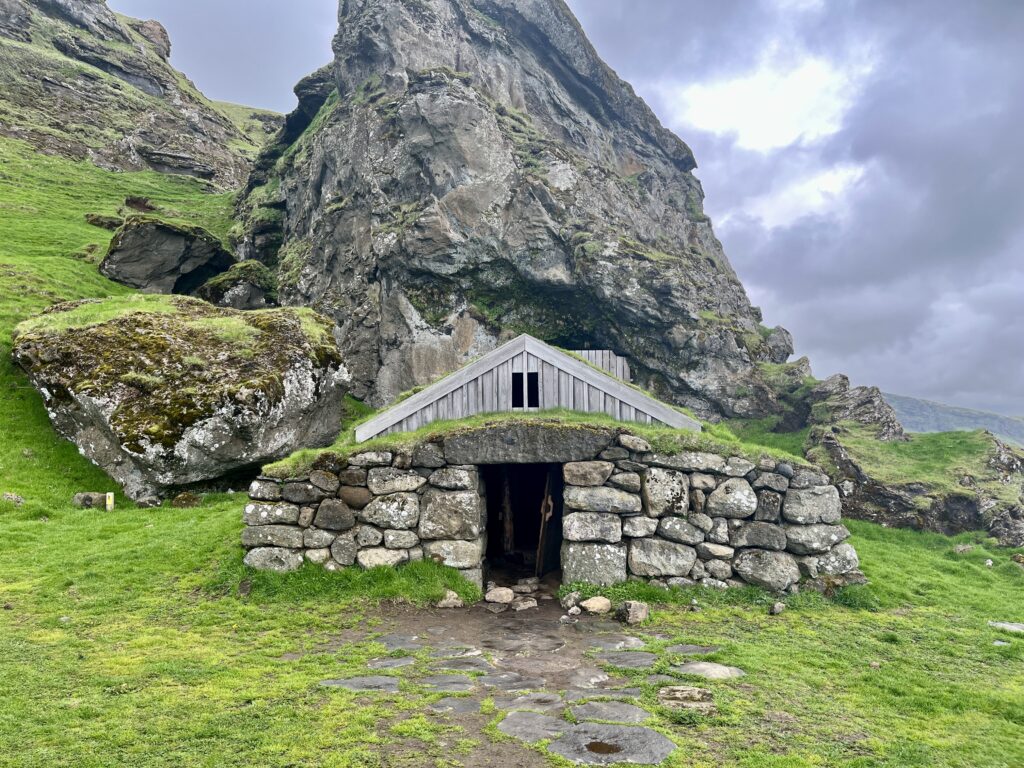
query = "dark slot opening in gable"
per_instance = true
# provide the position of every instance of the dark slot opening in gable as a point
(533, 390)
(517, 390)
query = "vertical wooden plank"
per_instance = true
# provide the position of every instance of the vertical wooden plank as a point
(486, 400)
(595, 399)
(532, 364)
(626, 412)
(564, 390)
(611, 406)
(579, 395)
(504, 374)
(517, 363)
(627, 373)
(549, 386)
(526, 402)
(473, 397)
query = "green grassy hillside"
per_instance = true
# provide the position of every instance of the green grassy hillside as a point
(49, 253)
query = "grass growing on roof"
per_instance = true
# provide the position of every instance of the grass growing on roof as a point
(714, 438)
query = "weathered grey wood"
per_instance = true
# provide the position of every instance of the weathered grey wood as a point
(548, 386)
(486, 385)
(564, 390)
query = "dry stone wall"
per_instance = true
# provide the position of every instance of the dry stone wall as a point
(629, 513)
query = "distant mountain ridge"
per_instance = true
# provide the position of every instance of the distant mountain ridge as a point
(927, 416)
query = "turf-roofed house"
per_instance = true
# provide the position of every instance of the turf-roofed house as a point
(535, 461)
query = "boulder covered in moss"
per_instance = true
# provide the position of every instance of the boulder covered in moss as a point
(247, 285)
(167, 391)
(159, 256)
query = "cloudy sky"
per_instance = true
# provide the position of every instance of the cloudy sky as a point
(861, 159)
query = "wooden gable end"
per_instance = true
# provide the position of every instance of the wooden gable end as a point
(523, 375)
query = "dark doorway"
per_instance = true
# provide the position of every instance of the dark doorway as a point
(524, 517)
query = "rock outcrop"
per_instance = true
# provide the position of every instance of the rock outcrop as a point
(163, 392)
(156, 256)
(88, 84)
(470, 168)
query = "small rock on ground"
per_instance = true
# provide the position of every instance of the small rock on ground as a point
(687, 697)
(633, 612)
(450, 600)
(708, 670)
(597, 605)
(523, 604)
(1007, 626)
(777, 608)
(500, 595)
(537, 702)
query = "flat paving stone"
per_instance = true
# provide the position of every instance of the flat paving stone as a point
(685, 649)
(366, 683)
(708, 670)
(655, 679)
(451, 683)
(464, 664)
(455, 705)
(455, 652)
(629, 659)
(599, 744)
(524, 646)
(403, 661)
(587, 677)
(612, 711)
(401, 642)
(511, 681)
(619, 694)
(537, 702)
(620, 643)
(531, 726)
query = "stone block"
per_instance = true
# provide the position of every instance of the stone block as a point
(634, 444)
(710, 551)
(776, 571)
(457, 554)
(334, 515)
(627, 481)
(592, 526)
(265, 490)
(398, 510)
(274, 559)
(689, 461)
(771, 482)
(400, 539)
(601, 499)
(736, 466)
(679, 530)
(353, 476)
(807, 506)
(658, 557)
(357, 497)
(344, 548)
(666, 492)
(379, 556)
(455, 479)
(601, 564)
(369, 536)
(371, 459)
(288, 536)
(769, 507)
(383, 481)
(314, 538)
(759, 535)
(639, 526)
(270, 514)
(450, 515)
(327, 482)
(429, 455)
(302, 493)
(732, 499)
(586, 473)
(814, 539)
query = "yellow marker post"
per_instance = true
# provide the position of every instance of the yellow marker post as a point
(110, 502)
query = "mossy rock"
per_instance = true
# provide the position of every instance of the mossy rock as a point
(165, 391)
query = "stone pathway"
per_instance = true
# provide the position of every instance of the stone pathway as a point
(590, 690)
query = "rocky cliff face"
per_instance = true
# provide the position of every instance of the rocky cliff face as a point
(471, 168)
(80, 81)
